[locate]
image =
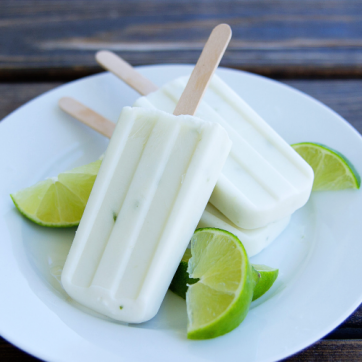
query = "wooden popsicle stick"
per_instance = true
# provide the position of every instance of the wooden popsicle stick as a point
(125, 71)
(87, 116)
(204, 69)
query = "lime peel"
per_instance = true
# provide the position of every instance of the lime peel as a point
(181, 279)
(332, 170)
(264, 278)
(215, 305)
(267, 278)
(58, 201)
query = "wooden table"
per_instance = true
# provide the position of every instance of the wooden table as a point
(312, 45)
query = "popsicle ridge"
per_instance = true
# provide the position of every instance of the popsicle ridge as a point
(263, 179)
(254, 240)
(160, 206)
(135, 208)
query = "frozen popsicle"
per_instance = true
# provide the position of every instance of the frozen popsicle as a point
(264, 179)
(157, 175)
(155, 180)
(254, 240)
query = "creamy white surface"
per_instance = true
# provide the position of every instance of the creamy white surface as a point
(157, 175)
(254, 240)
(264, 179)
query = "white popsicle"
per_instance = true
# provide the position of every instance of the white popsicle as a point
(264, 179)
(254, 240)
(155, 180)
(157, 175)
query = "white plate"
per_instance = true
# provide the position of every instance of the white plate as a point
(317, 255)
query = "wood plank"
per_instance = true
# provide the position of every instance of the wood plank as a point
(344, 97)
(12, 96)
(355, 320)
(58, 38)
(326, 351)
(344, 332)
(8, 352)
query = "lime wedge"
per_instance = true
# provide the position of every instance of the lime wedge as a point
(267, 278)
(58, 201)
(219, 301)
(181, 279)
(332, 170)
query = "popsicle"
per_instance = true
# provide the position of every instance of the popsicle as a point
(254, 240)
(264, 179)
(157, 175)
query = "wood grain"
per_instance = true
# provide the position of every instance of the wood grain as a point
(123, 70)
(345, 97)
(8, 353)
(286, 38)
(87, 116)
(203, 71)
(327, 351)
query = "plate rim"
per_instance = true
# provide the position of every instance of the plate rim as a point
(327, 330)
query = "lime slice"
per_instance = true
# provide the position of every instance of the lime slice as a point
(267, 278)
(219, 301)
(58, 201)
(181, 279)
(332, 171)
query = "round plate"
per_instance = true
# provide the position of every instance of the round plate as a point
(317, 254)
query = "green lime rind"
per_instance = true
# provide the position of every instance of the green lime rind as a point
(267, 278)
(181, 280)
(344, 159)
(262, 277)
(235, 304)
(256, 277)
(235, 314)
(58, 202)
(339, 175)
(40, 222)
